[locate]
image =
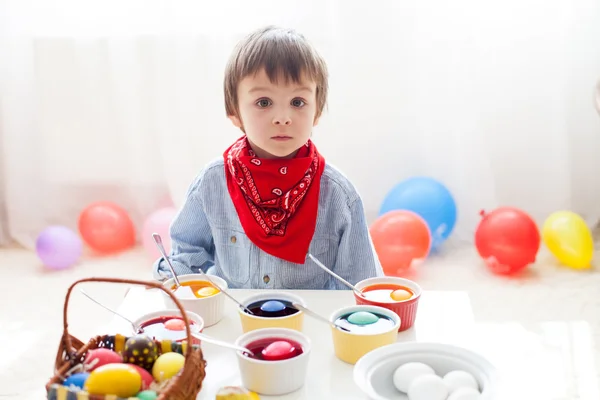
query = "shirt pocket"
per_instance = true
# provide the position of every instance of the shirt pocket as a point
(232, 256)
(309, 275)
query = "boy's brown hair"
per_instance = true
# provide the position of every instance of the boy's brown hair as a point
(283, 53)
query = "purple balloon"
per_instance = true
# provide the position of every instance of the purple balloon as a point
(58, 247)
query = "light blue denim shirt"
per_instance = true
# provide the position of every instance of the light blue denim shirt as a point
(207, 234)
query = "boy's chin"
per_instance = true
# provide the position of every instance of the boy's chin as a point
(278, 153)
(276, 149)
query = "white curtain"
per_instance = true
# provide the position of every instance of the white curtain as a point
(4, 237)
(122, 100)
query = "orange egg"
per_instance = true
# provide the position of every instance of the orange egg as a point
(207, 291)
(400, 295)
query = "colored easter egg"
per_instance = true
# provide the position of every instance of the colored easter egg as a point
(140, 350)
(207, 291)
(175, 324)
(121, 380)
(98, 357)
(147, 378)
(272, 306)
(167, 366)
(235, 393)
(76, 380)
(362, 318)
(400, 295)
(147, 395)
(279, 350)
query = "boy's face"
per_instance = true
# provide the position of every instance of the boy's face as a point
(277, 118)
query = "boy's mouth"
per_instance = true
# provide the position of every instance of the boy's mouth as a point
(281, 137)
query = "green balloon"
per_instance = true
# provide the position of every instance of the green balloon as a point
(147, 395)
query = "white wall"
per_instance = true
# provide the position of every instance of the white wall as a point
(492, 98)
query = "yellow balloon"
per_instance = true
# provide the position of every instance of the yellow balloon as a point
(568, 237)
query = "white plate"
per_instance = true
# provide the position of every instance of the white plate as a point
(374, 371)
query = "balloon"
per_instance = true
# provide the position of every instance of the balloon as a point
(399, 238)
(568, 237)
(507, 239)
(429, 199)
(106, 227)
(159, 221)
(58, 247)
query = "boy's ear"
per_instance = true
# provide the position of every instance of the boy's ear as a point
(235, 121)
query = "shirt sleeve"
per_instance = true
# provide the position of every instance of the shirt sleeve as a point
(356, 259)
(192, 246)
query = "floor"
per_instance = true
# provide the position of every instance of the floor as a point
(550, 301)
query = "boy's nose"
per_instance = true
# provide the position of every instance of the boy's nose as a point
(282, 120)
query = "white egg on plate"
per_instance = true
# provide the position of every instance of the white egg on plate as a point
(458, 379)
(428, 387)
(405, 374)
(465, 393)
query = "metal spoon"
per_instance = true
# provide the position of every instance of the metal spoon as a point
(318, 316)
(158, 241)
(136, 329)
(336, 276)
(197, 335)
(182, 292)
(221, 343)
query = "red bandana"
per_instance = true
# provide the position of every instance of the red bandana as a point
(273, 198)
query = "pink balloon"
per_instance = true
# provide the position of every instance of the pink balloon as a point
(158, 222)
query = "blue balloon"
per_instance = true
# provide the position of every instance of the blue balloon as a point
(429, 199)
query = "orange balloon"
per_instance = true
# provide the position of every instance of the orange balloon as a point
(106, 227)
(399, 237)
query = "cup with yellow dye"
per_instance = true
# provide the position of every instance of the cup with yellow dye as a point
(208, 301)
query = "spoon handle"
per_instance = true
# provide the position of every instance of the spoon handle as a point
(161, 248)
(226, 294)
(135, 328)
(218, 342)
(330, 272)
(158, 241)
(317, 316)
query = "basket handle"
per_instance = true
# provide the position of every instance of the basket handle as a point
(155, 285)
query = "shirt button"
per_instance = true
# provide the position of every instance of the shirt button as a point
(266, 279)
(233, 239)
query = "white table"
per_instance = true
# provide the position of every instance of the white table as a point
(532, 366)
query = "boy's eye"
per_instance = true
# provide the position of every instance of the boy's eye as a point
(263, 103)
(298, 103)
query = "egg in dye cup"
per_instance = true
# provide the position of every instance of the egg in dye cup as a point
(209, 302)
(280, 360)
(363, 328)
(168, 325)
(272, 309)
(396, 294)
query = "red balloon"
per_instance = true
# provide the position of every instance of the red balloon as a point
(399, 237)
(106, 227)
(508, 239)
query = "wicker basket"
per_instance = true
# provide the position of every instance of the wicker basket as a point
(71, 353)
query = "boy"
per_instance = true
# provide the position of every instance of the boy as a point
(252, 216)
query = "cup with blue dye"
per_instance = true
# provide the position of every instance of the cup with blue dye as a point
(272, 309)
